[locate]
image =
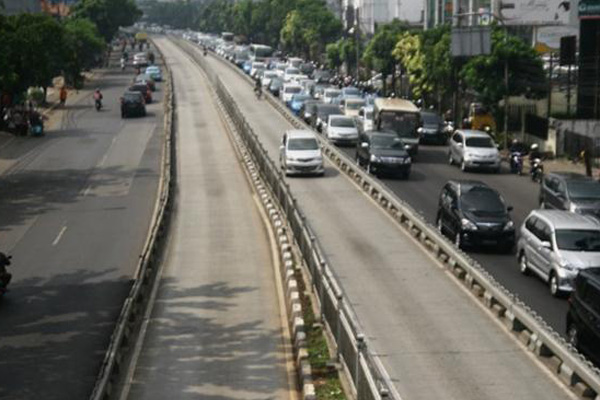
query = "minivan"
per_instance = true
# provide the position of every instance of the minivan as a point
(555, 245)
(570, 191)
(583, 329)
(300, 153)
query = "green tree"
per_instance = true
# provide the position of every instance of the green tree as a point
(378, 54)
(485, 74)
(333, 55)
(83, 45)
(108, 15)
(409, 52)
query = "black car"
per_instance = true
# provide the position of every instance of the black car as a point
(323, 111)
(322, 76)
(383, 153)
(308, 109)
(570, 191)
(583, 329)
(432, 128)
(275, 86)
(132, 103)
(475, 215)
(144, 90)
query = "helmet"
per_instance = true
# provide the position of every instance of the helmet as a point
(515, 141)
(534, 146)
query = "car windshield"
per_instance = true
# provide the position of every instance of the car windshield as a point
(301, 97)
(482, 200)
(584, 190)
(303, 144)
(292, 71)
(354, 105)
(343, 122)
(578, 239)
(351, 92)
(332, 93)
(258, 66)
(270, 74)
(293, 89)
(431, 119)
(386, 142)
(481, 142)
(139, 88)
(131, 97)
(402, 123)
(325, 111)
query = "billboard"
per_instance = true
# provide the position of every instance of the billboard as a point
(589, 9)
(537, 12)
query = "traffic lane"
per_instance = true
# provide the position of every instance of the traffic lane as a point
(432, 337)
(429, 174)
(215, 330)
(75, 250)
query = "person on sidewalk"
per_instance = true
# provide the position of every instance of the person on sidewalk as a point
(63, 95)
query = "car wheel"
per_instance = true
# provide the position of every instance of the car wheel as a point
(463, 166)
(573, 335)
(542, 205)
(439, 225)
(450, 159)
(554, 289)
(523, 264)
(405, 175)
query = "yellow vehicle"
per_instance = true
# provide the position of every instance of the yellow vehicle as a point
(141, 37)
(480, 118)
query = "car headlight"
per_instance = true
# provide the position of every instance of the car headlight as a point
(468, 225)
(374, 158)
(573, 207)
(407, 160)
(565, 265)
(468, 155)
(509, 226)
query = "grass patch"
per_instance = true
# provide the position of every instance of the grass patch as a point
(326, 379)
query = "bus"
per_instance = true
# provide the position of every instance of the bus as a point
(227, 36)
(260, 52)
(400, 116)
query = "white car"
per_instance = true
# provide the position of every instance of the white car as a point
(267, 77)
(352, 106)
(288, 91)
(341, 129)
(294, 62)
(473, 149)
(290, 73)
(365, 115)
(256, 66)
(300, 153)
(330, 94)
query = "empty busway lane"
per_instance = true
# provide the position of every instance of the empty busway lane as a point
(215, 330)
(433, 338)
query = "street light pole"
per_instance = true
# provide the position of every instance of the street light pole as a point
(356, 37)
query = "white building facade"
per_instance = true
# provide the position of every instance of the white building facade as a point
(374, 12)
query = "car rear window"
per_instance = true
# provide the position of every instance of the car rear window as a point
(293, 89)
(139, 88)
(132, 97)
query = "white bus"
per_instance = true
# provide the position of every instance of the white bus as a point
(260, 52)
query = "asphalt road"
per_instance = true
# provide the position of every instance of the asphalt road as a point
(433, 339)
(75, 207)
(215, 331)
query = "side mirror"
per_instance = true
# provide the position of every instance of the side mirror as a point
(547, 245)
(406, 147)
(281, 148)
(459, 144)
(364, 145)
(509, 208)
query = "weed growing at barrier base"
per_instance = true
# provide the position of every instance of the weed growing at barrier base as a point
(325, 378)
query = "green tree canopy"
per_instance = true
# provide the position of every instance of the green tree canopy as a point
(83, 45)
(108, 15)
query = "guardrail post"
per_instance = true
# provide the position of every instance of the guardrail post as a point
(339, 299)
(360, 344)
(322, 288)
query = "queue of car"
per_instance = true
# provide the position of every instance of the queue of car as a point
(558, 243)
(139, 93)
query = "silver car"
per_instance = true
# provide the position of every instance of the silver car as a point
(555, 245)
(341, 129)
(300, 153)
(473, 149)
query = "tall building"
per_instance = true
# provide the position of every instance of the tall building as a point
(374, 12)
(12, 7)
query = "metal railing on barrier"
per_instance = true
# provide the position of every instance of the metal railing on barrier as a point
(576, 371)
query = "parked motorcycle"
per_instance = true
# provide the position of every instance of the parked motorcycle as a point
(516, 162)
(537, 170)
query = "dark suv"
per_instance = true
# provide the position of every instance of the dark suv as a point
(474, 214)
(132, 103)
(383, 153)
(583, 317)
(570, 191)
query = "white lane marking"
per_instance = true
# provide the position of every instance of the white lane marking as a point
(87, 190)
(59, 236)
(103, 160)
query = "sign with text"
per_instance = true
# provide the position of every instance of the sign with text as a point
(471, 41)
(589, 9)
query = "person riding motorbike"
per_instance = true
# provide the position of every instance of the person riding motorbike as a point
(98, 98)
(517, 150)
(535, 163)
(5, 276)
(122, 63)
(257, 86)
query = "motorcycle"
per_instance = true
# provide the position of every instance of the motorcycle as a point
(5, 276)
(98, 104)
(537, 170)
(122, 64)
(516, 162)
(258, 93)
(204, 52)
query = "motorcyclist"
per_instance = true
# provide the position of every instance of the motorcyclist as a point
(122, 63)
(5, 276)
(98, 97)
(516, 147)
(257, 86)
(534, 152)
